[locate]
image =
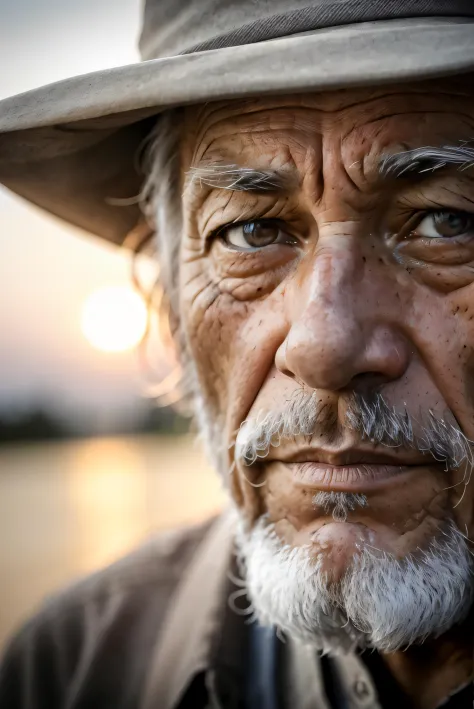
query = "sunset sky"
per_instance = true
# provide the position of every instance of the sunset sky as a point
(47, 268)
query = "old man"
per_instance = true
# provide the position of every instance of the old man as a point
(310, 191)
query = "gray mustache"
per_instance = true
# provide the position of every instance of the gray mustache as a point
(370, 416)
(382, 424)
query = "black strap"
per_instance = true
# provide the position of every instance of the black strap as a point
(261, 690)
(333, 687)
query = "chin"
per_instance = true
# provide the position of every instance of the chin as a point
(373, 600)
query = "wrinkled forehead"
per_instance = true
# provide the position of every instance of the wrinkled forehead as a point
(366, 120)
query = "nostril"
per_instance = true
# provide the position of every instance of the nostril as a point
(368, 381)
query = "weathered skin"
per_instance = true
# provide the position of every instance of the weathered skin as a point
(360, 302)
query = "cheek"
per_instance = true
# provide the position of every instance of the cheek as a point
(444, 334)
(212, 323)
(232, 344)
(232, 341)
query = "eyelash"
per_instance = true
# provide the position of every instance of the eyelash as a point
(418, 217)
(218, 232)
(412, 223)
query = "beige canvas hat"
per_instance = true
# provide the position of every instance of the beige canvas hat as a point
(71, 147)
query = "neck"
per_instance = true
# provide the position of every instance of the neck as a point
(431, 672)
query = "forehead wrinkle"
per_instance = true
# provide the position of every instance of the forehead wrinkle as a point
(255, 140)
(336, 100)
(363, 177)
(397, 132)
(327, 105)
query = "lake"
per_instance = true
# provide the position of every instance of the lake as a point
(71, 507)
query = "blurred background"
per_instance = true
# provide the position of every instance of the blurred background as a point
(89, 466)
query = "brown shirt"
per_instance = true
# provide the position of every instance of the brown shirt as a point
(155, 631)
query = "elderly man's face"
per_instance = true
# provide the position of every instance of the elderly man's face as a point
(328, 302)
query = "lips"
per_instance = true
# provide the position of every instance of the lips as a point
(350, 470)
(347, 478)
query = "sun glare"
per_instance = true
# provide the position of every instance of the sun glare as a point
(114, 319)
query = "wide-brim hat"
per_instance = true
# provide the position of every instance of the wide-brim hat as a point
(71, 147)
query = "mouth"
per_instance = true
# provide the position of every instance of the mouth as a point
(350, 470)
(345, 478)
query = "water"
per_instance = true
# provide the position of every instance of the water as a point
(69, 508)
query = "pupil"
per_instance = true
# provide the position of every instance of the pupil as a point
(260, 234)
(452, 224)
(454, 221)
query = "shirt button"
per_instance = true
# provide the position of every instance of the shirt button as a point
(361, 689)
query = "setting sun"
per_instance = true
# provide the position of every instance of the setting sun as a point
(114, 319)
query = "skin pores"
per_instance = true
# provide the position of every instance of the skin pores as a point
(343, 285)
(358, 301)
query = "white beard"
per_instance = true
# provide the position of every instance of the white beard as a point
(381, 602)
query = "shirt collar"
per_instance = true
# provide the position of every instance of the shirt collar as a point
(200, 632)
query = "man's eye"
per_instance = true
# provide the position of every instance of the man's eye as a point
(445, 224)
(256, 235)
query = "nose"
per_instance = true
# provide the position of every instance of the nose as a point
(343, 324)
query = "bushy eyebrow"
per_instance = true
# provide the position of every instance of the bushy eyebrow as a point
(401, 165)
(427, 160)
(240, 179)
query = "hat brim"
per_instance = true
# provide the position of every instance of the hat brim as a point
(71, 147)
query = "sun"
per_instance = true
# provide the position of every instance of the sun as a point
(114, 319)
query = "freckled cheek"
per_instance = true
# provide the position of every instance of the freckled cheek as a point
(254, 275)
(212, 332)
(444, 280)
(225, 343)
(443, 331)
(231, 337)
(463, 315)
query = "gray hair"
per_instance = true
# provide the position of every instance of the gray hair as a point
(369, 416)
(380, 602)
(429, 159)
(161, 203)
(161, 196)
(339, 503)
(160, 199)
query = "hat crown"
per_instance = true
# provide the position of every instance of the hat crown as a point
(172, 27)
